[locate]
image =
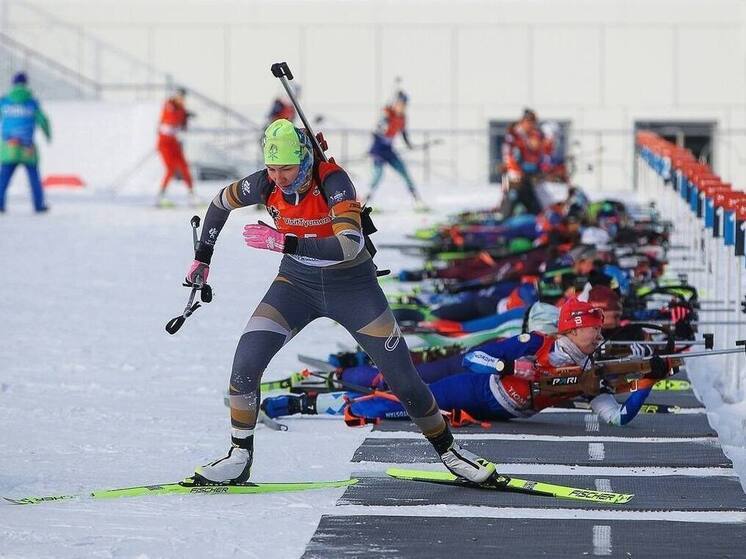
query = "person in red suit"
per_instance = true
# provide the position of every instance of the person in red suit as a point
(173, 123)
(522, 153)
(282, 108)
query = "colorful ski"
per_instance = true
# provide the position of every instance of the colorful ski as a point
(185, 487)
(516, 485)
(285, 383)
(672, 384)
(660, 408)
(318, 364)
(297, 380)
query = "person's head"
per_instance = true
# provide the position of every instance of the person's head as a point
(288, 156)
(528, 119)
(542, 318)
(400, 102)
(558, 274)
(20, 78)
(180, 94)
(608, 300)
(609, 218)
(583, 257)
(596, 237)
(581, 323)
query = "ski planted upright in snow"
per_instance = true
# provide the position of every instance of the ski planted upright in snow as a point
(186, 487)
(515, 485)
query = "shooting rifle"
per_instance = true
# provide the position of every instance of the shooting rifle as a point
(620, 375)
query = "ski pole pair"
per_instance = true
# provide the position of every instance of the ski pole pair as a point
(173, 325)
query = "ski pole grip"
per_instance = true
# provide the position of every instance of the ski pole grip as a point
(281, 69)
(709, 340)
(173, 325)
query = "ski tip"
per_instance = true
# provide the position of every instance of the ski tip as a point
(10, 501)
(36, 500)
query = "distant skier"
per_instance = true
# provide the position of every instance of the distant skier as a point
(553, 164)
(522, 155)
(326, 271)
(173, 123)
(282, 107)
(20, 112)
(393, 122)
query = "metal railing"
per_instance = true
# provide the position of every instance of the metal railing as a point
(97, 69)
(708, 215)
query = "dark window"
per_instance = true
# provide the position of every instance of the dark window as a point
(696, 136)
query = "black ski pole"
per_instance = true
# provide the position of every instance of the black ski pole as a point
(281, 71)
(173, 325)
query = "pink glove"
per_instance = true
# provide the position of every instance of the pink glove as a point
(197, 273)
(263, 236)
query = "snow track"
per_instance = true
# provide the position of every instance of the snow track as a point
(95, 394)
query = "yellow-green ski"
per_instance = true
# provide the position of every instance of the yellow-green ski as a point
(516, 485)
(187, 487)
(672, 384)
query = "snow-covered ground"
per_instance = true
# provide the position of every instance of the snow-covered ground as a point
(95, 394)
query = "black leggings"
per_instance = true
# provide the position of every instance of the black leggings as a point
(351, 297)
(521, 193)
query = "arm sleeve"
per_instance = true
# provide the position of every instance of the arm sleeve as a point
(405, 137)
(508, 152)
(43, 122)
(348, 240)
(614, 413)
(246, 192)
(497, 357)
(480, 362)
(515, 347)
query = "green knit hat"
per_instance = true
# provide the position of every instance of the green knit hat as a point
(282, 145)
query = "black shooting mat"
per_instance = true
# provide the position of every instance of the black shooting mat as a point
(428, 537)
(582, 424)
(682, 398)
(652, 493)
(703, 453)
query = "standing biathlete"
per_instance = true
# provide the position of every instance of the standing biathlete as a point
(393, 123)
(326, 271)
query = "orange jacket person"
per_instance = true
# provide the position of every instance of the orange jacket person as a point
(174, 117)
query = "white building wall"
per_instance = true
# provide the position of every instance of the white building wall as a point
(602, 64)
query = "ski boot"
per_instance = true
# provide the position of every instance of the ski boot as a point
(309, 403)
(163, 202)
(421, 207)
(289, 404)
(194, 200)
(467, 465)
(232, 469)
